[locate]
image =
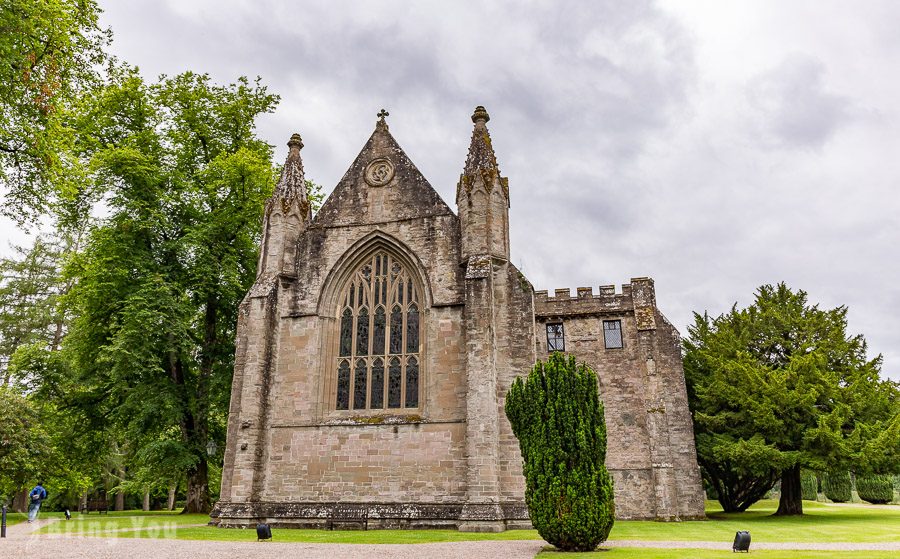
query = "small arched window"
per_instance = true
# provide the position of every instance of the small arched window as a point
(379, 338)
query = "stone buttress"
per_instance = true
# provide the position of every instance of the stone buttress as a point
(286, 216)
(498, 315)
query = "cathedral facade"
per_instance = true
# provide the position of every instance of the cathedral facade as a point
(376, 347)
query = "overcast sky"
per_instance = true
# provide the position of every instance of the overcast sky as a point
(714, 146)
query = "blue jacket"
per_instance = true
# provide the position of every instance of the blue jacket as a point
(39, 491)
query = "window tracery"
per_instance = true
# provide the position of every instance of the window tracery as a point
(379, 332)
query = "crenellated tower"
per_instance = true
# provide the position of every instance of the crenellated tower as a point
(286, 216)
(482, 197)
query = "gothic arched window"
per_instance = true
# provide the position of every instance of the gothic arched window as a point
(379, 338)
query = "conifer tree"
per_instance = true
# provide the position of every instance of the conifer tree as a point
(557, 415)
(780, 386)
(837, 486)
(877, 489)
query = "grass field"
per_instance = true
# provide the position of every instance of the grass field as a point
(15, 518)
(821, 523)
(654, 553)
(125, 523)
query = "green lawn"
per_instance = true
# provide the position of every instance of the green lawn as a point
(15, 518)
(654, 553)
(821, 523)
(19, 517)
(129, 521)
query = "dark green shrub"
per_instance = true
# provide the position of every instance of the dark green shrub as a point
(557, 416)
(809, 485)
(876, 489)
(837, 486)
(711, 493)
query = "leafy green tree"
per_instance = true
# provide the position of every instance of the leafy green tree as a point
(557, 415)
(156, 289)
(24, 445)
(778, 386)
(50, 52)
(32, 325)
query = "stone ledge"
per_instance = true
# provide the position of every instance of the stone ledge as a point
(366, 516)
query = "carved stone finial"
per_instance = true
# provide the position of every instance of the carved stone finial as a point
(481, 154)
(383, 113)
(295, 141)
(480, 114)
(291, 186)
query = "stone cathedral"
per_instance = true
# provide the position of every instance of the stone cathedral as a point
(375, 349)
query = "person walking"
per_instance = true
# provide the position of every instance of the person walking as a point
(36, 497)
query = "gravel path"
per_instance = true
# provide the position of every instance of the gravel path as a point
(21, 543)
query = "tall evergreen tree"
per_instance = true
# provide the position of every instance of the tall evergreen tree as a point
(30, 285)
(557, 415)
(779, 386)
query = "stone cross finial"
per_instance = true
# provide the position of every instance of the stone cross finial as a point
(383, 113)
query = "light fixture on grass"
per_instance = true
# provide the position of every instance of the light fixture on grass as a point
(741, 541)
(263, 532)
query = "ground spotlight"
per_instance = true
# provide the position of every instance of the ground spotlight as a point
(264, 532)
(741, 541)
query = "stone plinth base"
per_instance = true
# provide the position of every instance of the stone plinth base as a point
(373, 516)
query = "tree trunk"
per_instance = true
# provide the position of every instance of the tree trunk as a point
(20, 501)
(146, 506)
(82, 504)
(120, 495)
(120, 501)
(171, 502)
(197, 428)
(791, 502)
(198, 489)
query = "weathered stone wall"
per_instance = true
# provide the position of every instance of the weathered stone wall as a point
(405, 463)
(516, 317)
(654, 472)
(292, 459)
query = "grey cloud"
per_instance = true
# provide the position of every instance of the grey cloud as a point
(794, 105)
(628, 153)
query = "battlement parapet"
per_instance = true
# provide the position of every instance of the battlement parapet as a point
(585, 301)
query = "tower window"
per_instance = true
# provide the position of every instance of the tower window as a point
(612, 334)
(379, 338)
(556, 339)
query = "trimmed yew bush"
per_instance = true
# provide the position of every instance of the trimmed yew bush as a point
(557, 416)
(837, 486)
(876, 489)
(809, 485)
